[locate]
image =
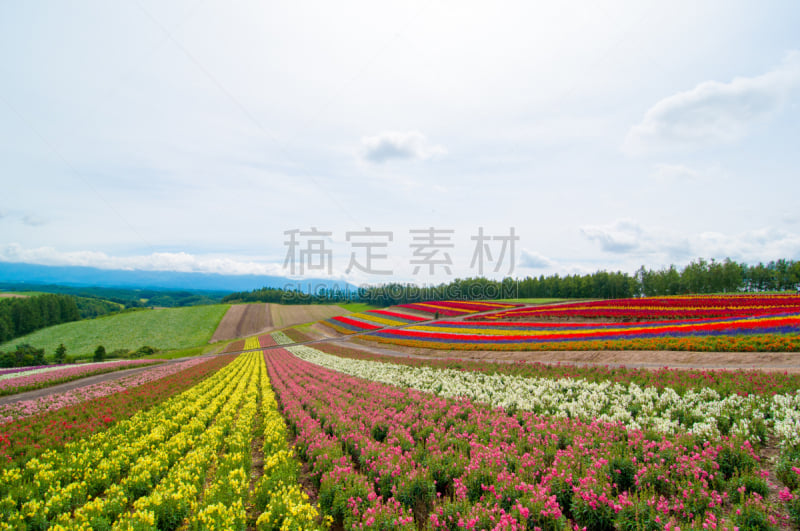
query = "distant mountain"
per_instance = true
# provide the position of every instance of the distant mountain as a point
(92, 276)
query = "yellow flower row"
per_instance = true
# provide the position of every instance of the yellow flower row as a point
(155, 478)
(251, 343)
(284, 506)
(98, 478)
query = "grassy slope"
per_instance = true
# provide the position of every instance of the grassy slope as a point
(169, 328)
(356, 307)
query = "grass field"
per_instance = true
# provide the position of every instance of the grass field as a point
(164, 329)
(357, 307)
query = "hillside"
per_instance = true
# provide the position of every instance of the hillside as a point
(165, 329)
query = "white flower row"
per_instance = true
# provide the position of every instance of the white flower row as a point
(281, 338)
(702, 411)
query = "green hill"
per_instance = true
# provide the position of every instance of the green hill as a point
(165, 329)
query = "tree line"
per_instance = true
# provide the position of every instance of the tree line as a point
(698, 277)
(22, 315)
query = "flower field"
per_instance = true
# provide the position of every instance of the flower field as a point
(35, 378)
(476, 452)
(296, 438)
(371, 320)
(185, 462)
(652, 308)
(454, 308)
(730, 323)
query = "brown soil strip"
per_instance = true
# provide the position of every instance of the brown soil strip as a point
(290, 315)
(13, 296)
(243, 320)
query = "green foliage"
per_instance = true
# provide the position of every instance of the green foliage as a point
(165, 329)
(90, 308)
(751, 517)
(22, 315)
(750, 483)
(622, 472)
(60, 354)
(734, 461)
(142, 351)
(99, 353)
(23, 356)
(789, 459)
(593, 515)
(127, 298)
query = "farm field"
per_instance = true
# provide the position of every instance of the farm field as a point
(438, 447)
(243, 320)
(333, 438)
(164, 329)
(284, 315)
(724, 323)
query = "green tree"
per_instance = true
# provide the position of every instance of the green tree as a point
(100, 353)
(60, 354)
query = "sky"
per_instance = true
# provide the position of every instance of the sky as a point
(502, 138)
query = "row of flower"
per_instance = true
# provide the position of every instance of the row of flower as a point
(19, 382)
(454, 308)
(678, 307)
(371, 320)
(64, 418)
(702, 411)
(766, 333)
(25, 408)
(389, 457)
(26, 371)
(185, 463)
(724, 382)
(782, 330)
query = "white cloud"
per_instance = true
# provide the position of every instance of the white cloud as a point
(757, 245)
(622, 236)
(672, 173)
(182, 262)
(660, 245)
(389, 145)
(534, 260)
(714, 112)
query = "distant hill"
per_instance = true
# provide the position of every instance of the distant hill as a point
(91, 276)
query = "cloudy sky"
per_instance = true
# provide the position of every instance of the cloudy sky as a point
(205, 135)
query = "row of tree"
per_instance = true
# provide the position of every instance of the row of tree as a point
(700, 276)
(22, 315)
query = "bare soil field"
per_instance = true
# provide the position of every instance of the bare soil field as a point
(289, 315)
(12, 296)
(244, 320)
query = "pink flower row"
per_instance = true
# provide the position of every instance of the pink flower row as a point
(402, 458)
(67, 373)
(26, 408)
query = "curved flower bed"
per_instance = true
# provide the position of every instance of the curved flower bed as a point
(678, 307)
(453, 308)
(763, 333)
